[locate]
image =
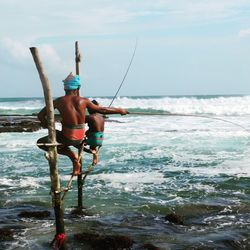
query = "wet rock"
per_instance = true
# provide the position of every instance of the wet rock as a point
(34, 214)
(174, 218)
(149, 246)
(237, 244)
(18, 129)
(105, 242)
(19, 125)
(80, 212)
(200, 247)
(6, 234)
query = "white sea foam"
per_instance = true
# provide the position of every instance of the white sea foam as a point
(132, 178)
(22, 183)
(221, 105)
(130, 181)
(237, 168)
(22, 104)
(238, 105)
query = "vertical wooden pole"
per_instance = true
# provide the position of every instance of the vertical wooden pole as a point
(77, 58)
(79, 177)
(52, 150)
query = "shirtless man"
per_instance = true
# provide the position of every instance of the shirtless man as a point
(95, 133)
(72, 110)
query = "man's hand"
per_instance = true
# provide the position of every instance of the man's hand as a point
(123, 112)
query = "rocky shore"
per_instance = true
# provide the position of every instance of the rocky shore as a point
(20, 123)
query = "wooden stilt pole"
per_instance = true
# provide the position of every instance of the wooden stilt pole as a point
(79, 177)
(77, 58)
(52, 150)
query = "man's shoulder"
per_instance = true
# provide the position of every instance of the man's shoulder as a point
(58, 99)
(85, 99)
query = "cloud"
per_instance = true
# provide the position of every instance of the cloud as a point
(15, 48)
(108, 17)
(48, 52)
(244, 33)
(17, 52)
(196, 11)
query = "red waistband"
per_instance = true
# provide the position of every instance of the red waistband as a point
(73, 133)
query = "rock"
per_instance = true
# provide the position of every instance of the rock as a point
(105, 242)
(34, 214)
(18, 124)
(6, 234)
(149, 246)
(174, 218)
(80, 212)
(21, 123)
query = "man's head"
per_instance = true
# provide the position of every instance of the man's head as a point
(96, 103)
(72, 82)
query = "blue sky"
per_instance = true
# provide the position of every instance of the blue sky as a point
(184, 47)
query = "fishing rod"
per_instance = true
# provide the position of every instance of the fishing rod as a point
(21, 115)
(142, 113)
(189, 115)
(131, 60)
(24, 115)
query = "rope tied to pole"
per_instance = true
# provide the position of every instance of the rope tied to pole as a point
(58, 241)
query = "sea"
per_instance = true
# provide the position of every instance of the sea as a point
(194, 165)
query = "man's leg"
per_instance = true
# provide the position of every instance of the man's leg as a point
(92, 150)
(65, 150)
(95, 155)
(41, 141)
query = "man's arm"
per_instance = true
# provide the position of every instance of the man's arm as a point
(42, 117)
(105, 110)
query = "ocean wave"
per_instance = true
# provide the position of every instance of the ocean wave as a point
(221, 105)
(20, 106)
(136, 181)
(26, 182)
(213, 105)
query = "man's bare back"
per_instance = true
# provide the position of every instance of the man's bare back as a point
(72, 109)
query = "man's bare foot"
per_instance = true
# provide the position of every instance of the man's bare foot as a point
(76, 168)
(95, 158)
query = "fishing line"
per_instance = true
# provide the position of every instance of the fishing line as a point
(24, 115)
(131, 60)
(6, 115)
(141, 113)
(201, 116)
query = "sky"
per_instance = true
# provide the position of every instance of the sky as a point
(185, 47)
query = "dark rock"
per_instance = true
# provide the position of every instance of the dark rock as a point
(18, 129)
(6, 234)
(80, 212)
(105, 242)
(18, 123)
(35, 214)
(21, 123)
(174, 218)
(237, 244)
(149, 246)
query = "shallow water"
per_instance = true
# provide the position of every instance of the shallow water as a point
(150, 166)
